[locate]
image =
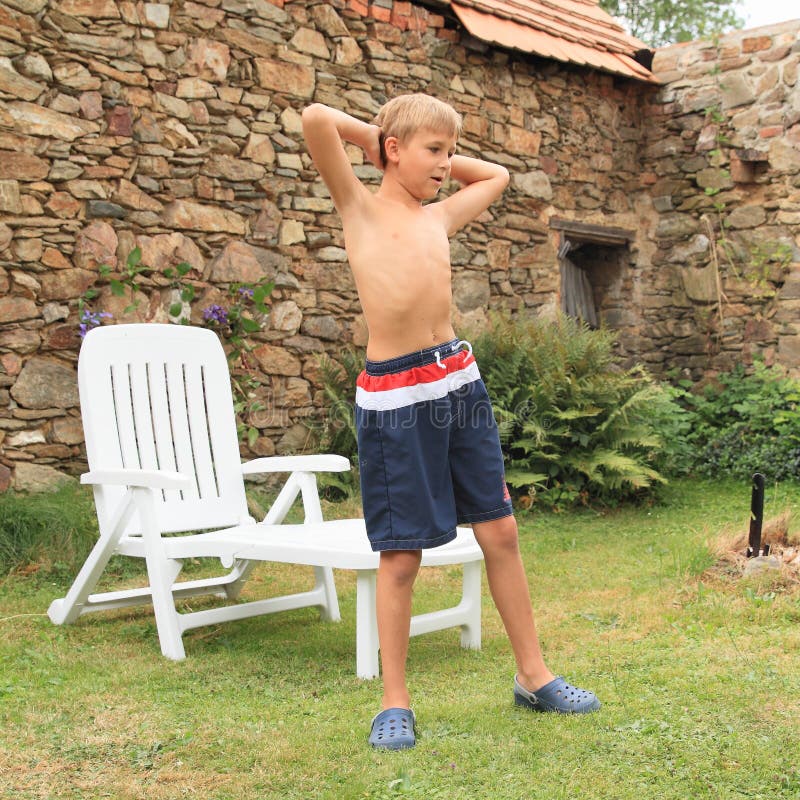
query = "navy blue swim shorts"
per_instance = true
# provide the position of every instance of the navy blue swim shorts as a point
(428, 448)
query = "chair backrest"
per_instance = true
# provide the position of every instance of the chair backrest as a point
(159, 397)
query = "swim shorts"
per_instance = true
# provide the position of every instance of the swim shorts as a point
(429, 449)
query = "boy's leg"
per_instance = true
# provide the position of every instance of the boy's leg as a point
(396, 573)
(508, 584)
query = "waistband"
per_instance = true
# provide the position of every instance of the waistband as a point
(419, 358)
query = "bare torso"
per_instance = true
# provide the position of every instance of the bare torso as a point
(400, 257)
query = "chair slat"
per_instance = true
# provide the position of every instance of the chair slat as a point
(123, 410)
(162, 428)
(140, 397)
(198, 427)
(179, 417)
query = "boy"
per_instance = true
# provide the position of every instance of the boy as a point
(429, 452)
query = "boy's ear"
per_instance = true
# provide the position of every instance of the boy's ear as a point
(391, 146)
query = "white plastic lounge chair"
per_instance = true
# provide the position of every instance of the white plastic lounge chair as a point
(164, 459)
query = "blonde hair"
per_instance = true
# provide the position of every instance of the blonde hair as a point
(406, 114)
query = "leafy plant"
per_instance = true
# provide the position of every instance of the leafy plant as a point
(746, 422)
(338, 430)
(245, 315)
(574, 426)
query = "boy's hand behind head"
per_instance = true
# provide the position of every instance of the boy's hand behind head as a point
(374, 147)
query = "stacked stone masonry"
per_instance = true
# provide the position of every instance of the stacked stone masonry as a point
(722, 166)
(175, 127)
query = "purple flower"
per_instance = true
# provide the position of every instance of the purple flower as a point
(246, 291)
(91, 319)
(216, 314)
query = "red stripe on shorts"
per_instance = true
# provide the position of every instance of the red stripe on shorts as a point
(415, 375)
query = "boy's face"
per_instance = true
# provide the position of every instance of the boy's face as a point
(423, 162)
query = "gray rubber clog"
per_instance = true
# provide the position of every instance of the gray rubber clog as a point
(393, 729)
(556, 696)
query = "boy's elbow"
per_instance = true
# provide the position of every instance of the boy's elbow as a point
(312, 115)
(503, 175)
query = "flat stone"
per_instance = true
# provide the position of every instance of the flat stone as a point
(471, 290)
(307, 40)
(66, 284)
(11, 82)
(760, 564)
(208, 59)
(195, 88)
(46, 384)
(131, 196)
(63, 205)
(328, 21)
(736, 90)
(156, 15)
(16, 309)
(234, 169)
(791, 286)
(284, 77)
(700, 285)
(76, 76)
(27, 6)
(747, 217)
(169, 249)
(96, 244)
(259, 149)
(198, 217)
(322, 327)
(275, 360)
(39, 121)
(789, 351)
(237, 263)
(9, 197)
(68, 430)
(248, 42)
(38, 477)
(714, 178)
(96, 9)
(291, 232)
(286, 317)
(534, 184)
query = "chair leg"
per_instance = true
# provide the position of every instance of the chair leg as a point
(65, 610)
(161, 572)
(366, 624)
(471, 601)
(324, 580)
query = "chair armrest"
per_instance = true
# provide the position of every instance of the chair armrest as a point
(314, 463)
(152, 479)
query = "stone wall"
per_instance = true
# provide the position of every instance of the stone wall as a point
(722, 162)
(176, 127)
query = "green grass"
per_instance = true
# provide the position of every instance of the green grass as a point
(698, 676)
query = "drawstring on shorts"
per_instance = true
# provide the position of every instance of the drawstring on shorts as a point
(457, 346)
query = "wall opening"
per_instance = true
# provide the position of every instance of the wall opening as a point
(593, 262)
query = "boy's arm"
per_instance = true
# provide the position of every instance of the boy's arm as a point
(325, 129)
(482, 183)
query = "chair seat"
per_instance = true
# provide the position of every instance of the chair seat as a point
(341, 544)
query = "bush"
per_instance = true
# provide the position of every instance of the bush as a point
(745, 423)
(52, 530)
(575, 427)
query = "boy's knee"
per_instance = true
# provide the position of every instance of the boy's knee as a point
(499, 534)
(400, 565)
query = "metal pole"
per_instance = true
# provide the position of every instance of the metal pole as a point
(756, 516)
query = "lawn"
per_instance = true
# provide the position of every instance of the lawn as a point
(699, 677)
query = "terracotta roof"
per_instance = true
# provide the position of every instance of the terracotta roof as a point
(575, 31)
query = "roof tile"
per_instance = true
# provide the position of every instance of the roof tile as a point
(574, 31)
